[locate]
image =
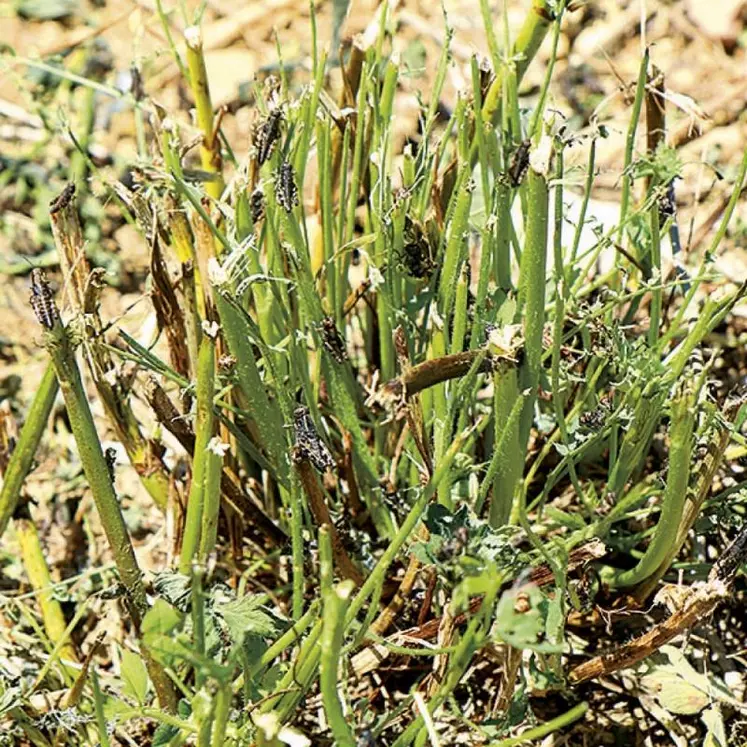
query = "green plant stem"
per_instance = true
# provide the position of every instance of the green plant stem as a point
(709, 253)
(266, 416)
(98, 702)
(528, 41)
(537, 732)
(59, 346)
(682, 424)
(204, 430)
(507, 461)
(28, 442)
(656, 291)
(336, 600)
(627, 179)
(221, 716)
(38, 574)
(210, 154)
(532, 286)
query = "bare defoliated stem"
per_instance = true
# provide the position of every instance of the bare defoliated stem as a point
(319, 510)
(198, 80)
(336, 601)
(60, 347)
(432, 372)
(204, 432)
(69, 241)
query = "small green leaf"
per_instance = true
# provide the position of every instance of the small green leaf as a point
(163, 735)
(521, 619)
(161, 619)
(248, 616)
(134, 676)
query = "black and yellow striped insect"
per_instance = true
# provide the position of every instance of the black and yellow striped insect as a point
(267, 134)
(308, 443)
(332, 339)
(257, 205)
(42, 300)
(286, 192)
(517, 167)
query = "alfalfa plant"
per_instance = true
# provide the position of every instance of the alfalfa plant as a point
(354, 401)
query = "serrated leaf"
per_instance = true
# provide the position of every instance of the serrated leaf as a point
(134, 676)
(248, 616)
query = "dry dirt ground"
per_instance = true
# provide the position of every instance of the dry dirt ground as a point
(699, 46)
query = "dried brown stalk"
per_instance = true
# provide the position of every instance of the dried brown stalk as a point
(430, 373)
(143, 453)
(168, 312)
(318, 506)
(415, 421)
(700, 601)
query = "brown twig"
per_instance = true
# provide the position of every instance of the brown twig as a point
(701, 601)
(432, 372)
(318, 506)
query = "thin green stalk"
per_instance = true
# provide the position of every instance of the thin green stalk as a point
(528, 41)
(297, 545)
(534, 131)
(210, 153)
(336, 601)
(204, 431)
(98, 704)
(627, 179)
(675, 494)
(560, 299)
(221, 716)
(28, 442)
(58, 344)
(709, 253)
(590, 166)
(460, 310)
(656, 291)
(198, 621)
(38, 574)
(553, 725)
(298, 678)
(648, 400)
